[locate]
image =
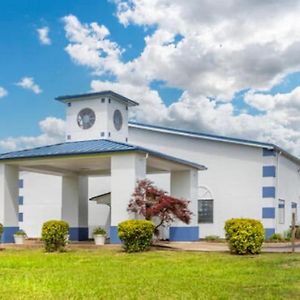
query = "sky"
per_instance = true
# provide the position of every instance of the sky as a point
(223, 67)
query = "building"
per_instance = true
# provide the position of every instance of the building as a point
(104, 155)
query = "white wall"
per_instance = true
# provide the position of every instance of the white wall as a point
(234, 174)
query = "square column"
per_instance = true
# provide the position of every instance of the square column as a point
(9, 206)
(75, 206)
(126, 169)
(184, 184)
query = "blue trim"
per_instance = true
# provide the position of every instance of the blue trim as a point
(21, 200)
(269, 232)
(269, 171)
(114, 238)
(79, 233)
(268, 212)
(294, 205)
(188, 233)
(8, 234)
(268, 192)
(20, 217)
(269, 152)
(21, 183)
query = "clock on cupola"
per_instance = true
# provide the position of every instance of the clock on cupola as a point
(101, 115)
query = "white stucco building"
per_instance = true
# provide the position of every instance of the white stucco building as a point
(104, 155)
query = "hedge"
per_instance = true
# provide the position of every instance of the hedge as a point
(55, 235)
(136, 235)
(244, 236)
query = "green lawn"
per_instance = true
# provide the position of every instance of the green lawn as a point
(112, 274)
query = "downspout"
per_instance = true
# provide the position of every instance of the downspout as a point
(276, 200)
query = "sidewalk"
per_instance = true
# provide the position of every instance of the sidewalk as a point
(222, 246)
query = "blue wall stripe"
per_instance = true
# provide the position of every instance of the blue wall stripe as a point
(21, 217)
(269, 152)
(21, 200)
(269, 171)
(8, 234)
(79, 233)
(268, 192)
(269, 232)
(114, 238)
(21, 183)
(268, 212)
(187, 233)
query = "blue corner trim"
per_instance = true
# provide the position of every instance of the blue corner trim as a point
(268, 212)
(21, 200)
(79, 233)
(269, 232)
(114, 238)
(20, 217)
(21, 183)
(268, 192)
(187, 233)
(294, 205)
(269, 152)
(8, 234)
(269, 171)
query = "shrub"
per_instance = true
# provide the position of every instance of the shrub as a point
(99, 231)
(245, 236)
(55, 235)
(1, 229)
(21, 232)
(276, 237)
(136, 235)
(287, 235)
(212, 238)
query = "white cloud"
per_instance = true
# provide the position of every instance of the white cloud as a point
(3, 92)
(53, 131)
(29, 84)
(43, 33)
(210, 50)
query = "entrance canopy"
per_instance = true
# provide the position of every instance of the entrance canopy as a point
(89, 158)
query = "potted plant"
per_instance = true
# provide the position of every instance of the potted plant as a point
(19, 237)
(99, 236)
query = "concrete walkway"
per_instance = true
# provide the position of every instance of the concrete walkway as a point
(222, 246)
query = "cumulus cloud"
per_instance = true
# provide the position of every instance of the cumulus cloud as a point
(209, 50)
(43, 34)
(52, 131)
(29, 84)
(3, 92)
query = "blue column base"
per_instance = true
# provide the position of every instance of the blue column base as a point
(79, 233)
(184, 234)
(114, 238)
(8, 234)
(269, 232)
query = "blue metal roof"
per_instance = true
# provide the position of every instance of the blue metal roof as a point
(117, 96)
(89, 147)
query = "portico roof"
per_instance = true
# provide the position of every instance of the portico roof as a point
(81, 149)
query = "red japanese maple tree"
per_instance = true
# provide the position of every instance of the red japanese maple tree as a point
(150, 201)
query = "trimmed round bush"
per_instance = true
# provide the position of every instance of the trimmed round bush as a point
(244, 236)
(136, 235)
(55, 235)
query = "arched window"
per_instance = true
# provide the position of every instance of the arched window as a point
(205, 206)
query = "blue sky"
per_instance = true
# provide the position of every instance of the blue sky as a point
(212, 74)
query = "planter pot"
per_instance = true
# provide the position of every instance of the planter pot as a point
(19, 239)
(99, 239)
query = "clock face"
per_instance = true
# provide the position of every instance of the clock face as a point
(86, 118)
(118, 119)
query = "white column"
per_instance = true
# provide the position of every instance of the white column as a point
(9, 206)
(126, 169)
(75, 206)
(184, 184)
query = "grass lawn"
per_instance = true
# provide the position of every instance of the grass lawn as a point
(112, 274)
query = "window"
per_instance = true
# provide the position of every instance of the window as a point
(294, 209)
(103, 100)
(69, 137)
(206, 211)
(21, 200)
(21, 183)
(69, 104)
(281, 211)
